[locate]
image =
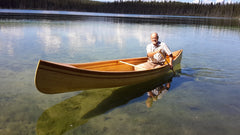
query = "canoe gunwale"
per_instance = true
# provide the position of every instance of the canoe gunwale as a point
(109, 75)
(75, 70)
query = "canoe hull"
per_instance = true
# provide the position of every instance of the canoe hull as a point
(53, 78)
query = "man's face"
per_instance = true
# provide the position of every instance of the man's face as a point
(154, 39)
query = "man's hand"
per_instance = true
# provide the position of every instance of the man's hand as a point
(171, 66)
(151, 54)
(171, 62)
(157, 50)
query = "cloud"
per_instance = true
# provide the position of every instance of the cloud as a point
(203, 1)
(219, 1)
(50, 41)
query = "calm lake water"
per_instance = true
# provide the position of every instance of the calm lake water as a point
(202, 100)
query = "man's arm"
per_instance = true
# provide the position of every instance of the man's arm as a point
(171, 61)
(150, 54)
(169, 53)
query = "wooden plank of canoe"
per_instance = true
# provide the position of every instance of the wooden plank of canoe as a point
(112, 65)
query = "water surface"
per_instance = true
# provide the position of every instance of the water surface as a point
(203, 99)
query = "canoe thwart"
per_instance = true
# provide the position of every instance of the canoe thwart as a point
(134, 66)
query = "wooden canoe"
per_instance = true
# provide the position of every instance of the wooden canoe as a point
(51, 77)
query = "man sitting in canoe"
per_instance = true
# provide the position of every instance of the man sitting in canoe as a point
(156, 53)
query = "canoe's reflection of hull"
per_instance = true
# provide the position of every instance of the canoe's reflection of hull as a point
(78, 110)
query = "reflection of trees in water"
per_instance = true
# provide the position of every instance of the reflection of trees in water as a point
(125, 18)
(77, 110)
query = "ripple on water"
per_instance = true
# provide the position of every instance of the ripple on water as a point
(209, 75)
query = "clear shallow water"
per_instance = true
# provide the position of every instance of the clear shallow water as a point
(204, 99)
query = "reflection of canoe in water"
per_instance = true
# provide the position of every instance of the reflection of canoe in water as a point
(78, 110)
(57, 77)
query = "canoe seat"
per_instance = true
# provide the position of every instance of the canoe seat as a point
(143, 66)
(138, 67)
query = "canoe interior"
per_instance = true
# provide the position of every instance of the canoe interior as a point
(116, 65)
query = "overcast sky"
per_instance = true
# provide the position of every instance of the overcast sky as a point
(190, 1)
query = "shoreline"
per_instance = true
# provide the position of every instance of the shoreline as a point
(100, 14)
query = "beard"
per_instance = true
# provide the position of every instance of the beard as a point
(154, 42)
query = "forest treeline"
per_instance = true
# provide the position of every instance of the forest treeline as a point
(128, 7)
